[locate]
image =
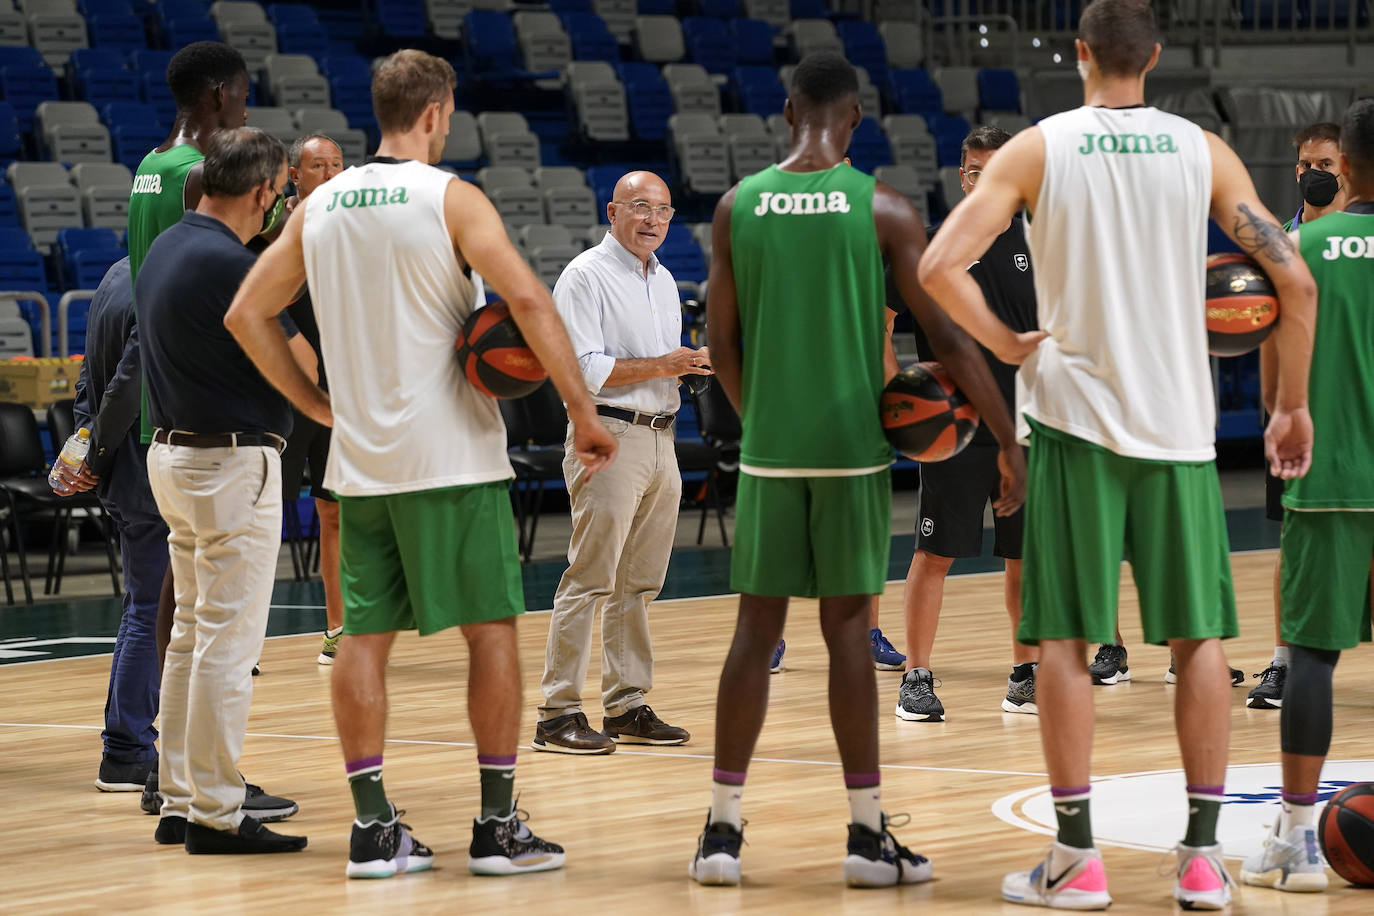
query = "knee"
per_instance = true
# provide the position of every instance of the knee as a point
(927, 563)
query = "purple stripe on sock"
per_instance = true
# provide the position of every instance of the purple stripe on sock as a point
(366, 763)
(727, 777)
(1305, 798)
(861, 780)
(1206, 790)
(493, 760)
(1068, 791)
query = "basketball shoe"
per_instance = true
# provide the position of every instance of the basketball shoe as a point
(505, 846)
(717, 858)
(776, 666)
(876, 859)
(330, 647)
(916, 700)
(1203, 881)
(381, 849)
(1068, 879)
(1109, 666)
(1292, 862)
(118, 776)
(1268, 694)
(1021, 694)
(1171, 676)
(885, 657)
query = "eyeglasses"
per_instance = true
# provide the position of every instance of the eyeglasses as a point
(642, 209)
(971, 176)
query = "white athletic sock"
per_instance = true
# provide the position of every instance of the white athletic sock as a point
(334, 632)
(865, 807)
(1295, 815)
(725, 804)
(1281, 655)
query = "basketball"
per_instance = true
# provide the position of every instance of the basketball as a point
(925, 416)
(494, 356)
(1241, 304)
(1346, 829)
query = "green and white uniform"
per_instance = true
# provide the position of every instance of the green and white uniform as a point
(814, 503)
(1118, 401)
(1328, 531)
(156, 203)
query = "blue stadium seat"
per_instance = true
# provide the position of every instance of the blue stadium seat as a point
(151, 60)
(602, 179)
(25, 86)
(590, 38)
(403, 18)
(122, 112)
(90, 8)
(134, 141)
(868, 148)
(168, 10)
(864, 47)
(949, 132)
(20, 55)
(350, 87)
(808, 9)
(489, 42)
(101, 246)
(22, 268)
(709, 43)
(914, 92)
(158, 94)
(759, 90)
(88, 268)
(721, 9)
(102, 86)
(116, 31)
(301, 38)
(681, 254)
(97, 59)
(11, 144)
(14, 238)
(649, 100)
(560, 7)
(658, 7)
(998, 90)
(753, 41)
(9, 207)
(182, 32)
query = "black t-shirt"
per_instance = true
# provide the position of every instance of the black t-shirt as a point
(199, 380)
(1005, 275)
(302, 312)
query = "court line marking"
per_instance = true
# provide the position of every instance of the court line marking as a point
(619, 750)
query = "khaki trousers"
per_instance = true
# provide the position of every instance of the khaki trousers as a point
(624, 521)
(223, 508)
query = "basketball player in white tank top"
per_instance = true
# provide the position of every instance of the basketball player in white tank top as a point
(1115, 396)
(418, 456)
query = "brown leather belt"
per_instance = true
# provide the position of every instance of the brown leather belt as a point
(651, 420)
(219, 440)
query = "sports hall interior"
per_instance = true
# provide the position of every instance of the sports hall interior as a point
(556, 100)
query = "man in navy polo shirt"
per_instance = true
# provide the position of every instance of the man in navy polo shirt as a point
(215, 472)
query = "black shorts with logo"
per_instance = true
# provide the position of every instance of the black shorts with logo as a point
(954, 493)
(308, 444)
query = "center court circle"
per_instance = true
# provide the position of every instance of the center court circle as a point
(1149, 811)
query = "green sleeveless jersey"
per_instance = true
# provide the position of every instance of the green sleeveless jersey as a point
(809, 280)
(158, 199)
(1339, 249)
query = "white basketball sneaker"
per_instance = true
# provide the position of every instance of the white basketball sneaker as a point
(1292, 862)
(1203, 881)
(1068, 879)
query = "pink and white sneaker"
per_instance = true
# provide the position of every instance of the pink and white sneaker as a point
(1068, 879)
(1203, 881)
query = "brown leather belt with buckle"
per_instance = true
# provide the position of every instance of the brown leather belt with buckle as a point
(651, 420)
(218, 440)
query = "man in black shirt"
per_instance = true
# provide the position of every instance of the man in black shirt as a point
(215, 472)
(313, 160)
(954, 492)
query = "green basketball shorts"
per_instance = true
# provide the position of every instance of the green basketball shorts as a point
(1087, 509)
(1324, 578)
(813, 537)
(429, 560)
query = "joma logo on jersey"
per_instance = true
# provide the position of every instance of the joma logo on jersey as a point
(368, 197)
(1127, 143)
(1349, 246)
(148, 184)
(801, 203)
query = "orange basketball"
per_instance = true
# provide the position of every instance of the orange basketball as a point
(1242, 306)
(925, 416)
(1346, 830)
(494, 356)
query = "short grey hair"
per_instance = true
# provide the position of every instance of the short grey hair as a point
(239, 160)
(293, 155)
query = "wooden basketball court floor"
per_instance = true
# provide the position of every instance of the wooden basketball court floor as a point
(630, 820)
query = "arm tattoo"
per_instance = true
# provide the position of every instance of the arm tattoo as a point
(1256, 234)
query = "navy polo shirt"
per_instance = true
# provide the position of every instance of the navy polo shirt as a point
(199, 379)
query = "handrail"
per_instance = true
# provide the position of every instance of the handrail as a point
(64, 343)
(44, 318)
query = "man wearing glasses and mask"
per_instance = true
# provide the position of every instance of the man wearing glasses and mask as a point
(622, 312)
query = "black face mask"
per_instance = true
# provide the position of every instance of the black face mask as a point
(1318, 188)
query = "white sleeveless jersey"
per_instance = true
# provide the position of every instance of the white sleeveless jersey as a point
(1119, 243)
(390, 299)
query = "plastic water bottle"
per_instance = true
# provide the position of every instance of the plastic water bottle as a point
(73, 453)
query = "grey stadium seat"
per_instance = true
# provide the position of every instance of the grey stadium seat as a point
(273, 120)
(254, 40)
(1013, 122)
(334, 124)
(508, 140)
(549, 249)
(567, 199)
(543, 43)
(949, 185)
(811, 35)
(224, 11)
(295, 82)
(446, 17)
(619, 16)
(47, 200)
(658, 39)
(512, 194)
(13, 29)
(104, 188)
(599, 100)
(959, 87)
(72, 132)
(702, 157)
(777, 13)
(913, 145)
(904, 43)
(56, 35)
(907, 182)
(692, 89)
(749, 142)
(782, 135)
(464, 143)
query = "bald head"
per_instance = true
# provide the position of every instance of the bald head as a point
(639, 220)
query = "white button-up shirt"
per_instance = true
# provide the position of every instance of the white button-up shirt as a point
(615, 309)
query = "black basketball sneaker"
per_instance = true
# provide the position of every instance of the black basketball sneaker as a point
(505, 846)
(381, 849)
(876, 859)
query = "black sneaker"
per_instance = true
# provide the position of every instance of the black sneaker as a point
(876, 859)
(260, 806)
(252, 838)
(1021, 695)
(151, 799)
(1109, 667)
(641, 726)
(1269, 692)
(1171, 676)
(505, 846)
(916, 700)
(380, 850)
(115, 776)
(171, 831)
(717, 859)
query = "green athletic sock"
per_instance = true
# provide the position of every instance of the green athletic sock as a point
(1075, 822)
(498, 784)
(1204, 805)
(369, 797)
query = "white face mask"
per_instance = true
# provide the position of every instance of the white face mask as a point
(1083, 70)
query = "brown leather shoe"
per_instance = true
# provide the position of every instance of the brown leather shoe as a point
(570, 734)
(641, 726)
